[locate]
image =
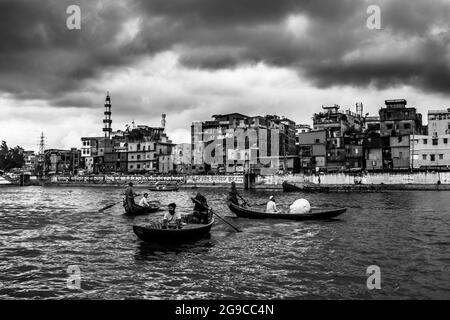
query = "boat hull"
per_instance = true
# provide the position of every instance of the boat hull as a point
(288, 187)
(136, 210)
(246, 212)
(155, 234)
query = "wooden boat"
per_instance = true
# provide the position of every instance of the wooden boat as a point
(156, 234)
(289, 187)
(248, 212)
(135, 210)
(164, 187)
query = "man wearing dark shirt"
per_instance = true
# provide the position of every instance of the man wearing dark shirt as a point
(129, 193)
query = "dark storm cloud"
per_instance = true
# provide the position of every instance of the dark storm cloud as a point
(220, 34)
(41, 59)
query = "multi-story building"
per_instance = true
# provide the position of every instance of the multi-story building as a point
(430, 152)
(439, 122)
(337, 123)
(29, 158)
(398, 120)
(89, 154)
(182, 157)
(312, 150)
(149, 150)
(400, 152)
(230, 141)
(372, 124)
(59, 161)
(375, 149)
(354, 150)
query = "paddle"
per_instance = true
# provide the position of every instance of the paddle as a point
(109, 206)
(245, 202)
(237, 230)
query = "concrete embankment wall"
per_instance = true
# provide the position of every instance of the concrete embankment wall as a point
(420, 178)
(184, 181)
(391, 181)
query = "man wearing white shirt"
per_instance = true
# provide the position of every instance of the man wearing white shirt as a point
(144, 201)
(172, 219)
(271, 206)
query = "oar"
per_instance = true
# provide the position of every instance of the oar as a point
(235, 228)
(245, 202)
(108, 206)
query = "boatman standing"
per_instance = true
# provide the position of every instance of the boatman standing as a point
(129, 193)
(233, 195)
(271, 206)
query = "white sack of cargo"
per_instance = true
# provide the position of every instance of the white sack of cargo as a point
(300, 206)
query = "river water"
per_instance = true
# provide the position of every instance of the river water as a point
(43, 231)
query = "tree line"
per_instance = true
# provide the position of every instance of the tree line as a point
(11, 157)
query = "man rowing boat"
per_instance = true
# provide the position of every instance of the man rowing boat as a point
(201, 209)
(233, 195)
(129, 194)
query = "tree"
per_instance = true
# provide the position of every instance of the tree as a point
(10, 158)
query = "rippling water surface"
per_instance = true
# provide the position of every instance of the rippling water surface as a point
(44, 230)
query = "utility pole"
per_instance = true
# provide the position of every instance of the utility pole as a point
(412, 155)
(41, 156)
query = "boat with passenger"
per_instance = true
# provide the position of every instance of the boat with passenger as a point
(156, 233)
(159, 186)
(246, 211)
(133, 209)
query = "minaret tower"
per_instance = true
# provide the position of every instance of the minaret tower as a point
(107, 120)
(163, 121)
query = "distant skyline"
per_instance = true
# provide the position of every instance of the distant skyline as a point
(191, 59)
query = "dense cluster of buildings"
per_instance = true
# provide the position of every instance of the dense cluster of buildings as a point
(337, 141)
(395, 140)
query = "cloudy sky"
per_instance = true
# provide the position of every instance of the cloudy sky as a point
(194, 58)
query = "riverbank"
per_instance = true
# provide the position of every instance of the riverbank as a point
(434, 181)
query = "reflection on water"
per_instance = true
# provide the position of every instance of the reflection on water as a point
(44, 230)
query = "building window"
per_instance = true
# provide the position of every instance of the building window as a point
(132, 157)
(139, 146)
(317, 140)
(424, 157)
(425, 141)
(441, 157)
(138, 166)
(445, 140)
(407, 126)
(435, 142)
(139, 157)
(432, 157)
(131, 167)
(389, 126)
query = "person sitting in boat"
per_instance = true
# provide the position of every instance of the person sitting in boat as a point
(201, 209)
(300, 206)
(271, 206)
(129, 193)
(144, 201)
(171, 218)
